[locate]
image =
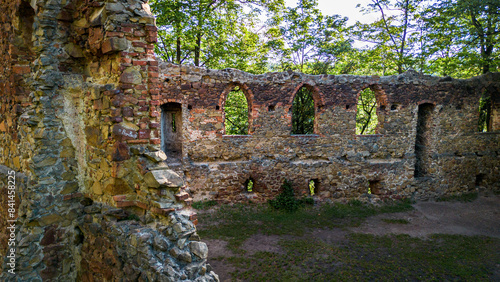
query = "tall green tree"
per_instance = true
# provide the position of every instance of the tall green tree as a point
(212, 33)
(467, 32)
(395, 34)
(305, 40)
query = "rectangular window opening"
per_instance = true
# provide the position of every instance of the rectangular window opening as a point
(313, 186)
(374, 187)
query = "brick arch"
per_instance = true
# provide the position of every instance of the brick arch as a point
(250, 98)
(318, 96)
(318, 99)
(156, 107)
(380, 95)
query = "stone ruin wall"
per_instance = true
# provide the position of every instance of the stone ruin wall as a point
(95, 200)
(457, 158)
(81, 118)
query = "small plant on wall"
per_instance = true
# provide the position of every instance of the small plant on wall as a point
(286, 200)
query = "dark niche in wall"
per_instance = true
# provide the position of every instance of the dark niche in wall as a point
(423, 140)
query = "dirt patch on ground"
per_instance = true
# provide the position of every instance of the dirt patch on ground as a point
(480, 217)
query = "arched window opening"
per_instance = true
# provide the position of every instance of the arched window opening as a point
(366, 115)
(171, 130)
(236, 113)
(484, 124)
(303, 112)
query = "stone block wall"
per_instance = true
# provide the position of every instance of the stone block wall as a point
(344, 165)
(78, 128)
(100, 196)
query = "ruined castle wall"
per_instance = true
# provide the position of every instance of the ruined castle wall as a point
(77, 129)
(81, 125)
(345, 165)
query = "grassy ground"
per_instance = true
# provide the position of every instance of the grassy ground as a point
(358, 257)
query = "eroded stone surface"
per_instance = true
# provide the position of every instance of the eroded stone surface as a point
(81, 108)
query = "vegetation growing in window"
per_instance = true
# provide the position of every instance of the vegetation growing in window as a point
(366, 116)
(312, 187)
(303, 112)
(484, 114)
(236, 111)
(249, 185)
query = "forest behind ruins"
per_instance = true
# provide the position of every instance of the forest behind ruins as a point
(456, 38)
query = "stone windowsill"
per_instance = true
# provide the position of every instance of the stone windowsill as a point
(304, 135)
(369, 135)
(488, 132)
(236, 136)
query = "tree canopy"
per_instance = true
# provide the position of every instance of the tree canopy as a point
(458, 38)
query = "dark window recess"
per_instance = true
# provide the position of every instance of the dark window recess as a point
(26, 16)
(423, 140)
(347, 107)
(270, 108)
(394, 107)
(171, 130)
(79, 237)
(217, 108)
(480, 179)
(374, 187)
(313, 186)
(303, 112)
(190, 107)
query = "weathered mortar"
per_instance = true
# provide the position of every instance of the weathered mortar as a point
(80, 122)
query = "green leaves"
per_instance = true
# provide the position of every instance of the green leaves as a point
(236, 113)
(463, 37)
(303, 112)
(459, 38)
(214, 34)
(308, 41)
(366, 115)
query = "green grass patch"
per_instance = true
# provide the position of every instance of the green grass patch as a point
(395, 221)
(464, 198)
(203, 205)
(238, 222)
(382, 258)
